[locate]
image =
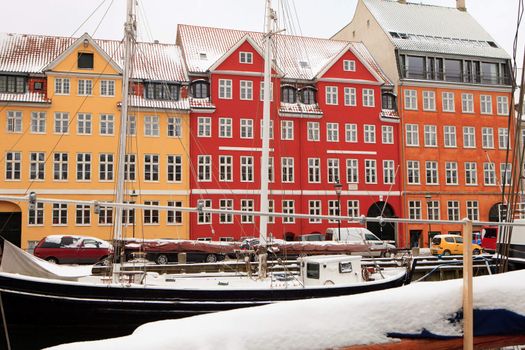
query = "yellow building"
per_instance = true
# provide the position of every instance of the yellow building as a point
(60, 115)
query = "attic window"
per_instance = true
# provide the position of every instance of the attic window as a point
(349, 65)
(492, 44)
(85, 60)
(245, 57)
(304, 64)
(203, 56)
(394, 35)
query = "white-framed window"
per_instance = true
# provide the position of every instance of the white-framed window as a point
(449, 136)
(174, 217)
(225, 127)
(174, 167)
(132, 125)
(389, 172)
(473, 210)
(246, 128)
(38, 122)
(469, 137)
(451, 173)
(225, 89)
(448, 102)
(331, 95)
(429, 100)
(246, 169)
(85, 87)
(432, 176)
(151, 216)
(107, 124)
(370, 171)
(105, 216)
(368, 98)
(414, 210)
(287, 169)
(107, 88)
(453, 210)
(489, 174)
(387, 134)
(59, 214)
(503, 105)
(204, 126)
(487, 138)
(506, 173)
(413, 172)
(471, 173)
(486, 104)
(351, 132)
(60, 166)
(261, 94)
(61, 123)
(271, 130)
(313, 131)
(13, 165)
(349, 65)
(36, 215)
(105, 167)
(314, 208)
(204, 218)
(353, 208)
(433, 210)
(226, 168)
(84, 124)
(369, 133)
(226, 204)
(246, 87)
(151, 125)
(83, 167)
(288, 208)
(62, 86)
(333, 210)
(332, 132)
(247, 205)
(174, 127)
(411, 100)
(287, 129)
(333, 170)
(204, 168)
(37, 164)
(352, 171)
(503, 138)
(245, 57)
(467, 103)
(83, 215)
(130, 167)
(412, 134)
(314, 170)
(271, 172)
(271, 209)
(14, 121)
(430, 136)
(350, 96)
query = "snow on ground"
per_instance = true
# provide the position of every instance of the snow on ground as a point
(326, 323)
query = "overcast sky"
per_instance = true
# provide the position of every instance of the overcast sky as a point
(158, 18)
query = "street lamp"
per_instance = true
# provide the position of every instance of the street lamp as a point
(338, 188)
(428, 198)
(133, 195)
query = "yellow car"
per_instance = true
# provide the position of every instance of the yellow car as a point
(451, 245)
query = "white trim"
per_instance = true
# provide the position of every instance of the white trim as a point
(350, 81)
(351, 152)
(294, 192)
(86, 75)
(234, 72)
(453, 85)
(242, 149)
(94, 192)
(301, 115)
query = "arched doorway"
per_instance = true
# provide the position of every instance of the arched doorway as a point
(497, 212)
(11, 222)
(387, 231)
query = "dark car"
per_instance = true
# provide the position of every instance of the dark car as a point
(60, 249)
(163, 257)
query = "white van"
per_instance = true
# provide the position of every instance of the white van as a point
(377, 246)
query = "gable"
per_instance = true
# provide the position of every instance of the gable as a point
(233, 61)
(337, 71)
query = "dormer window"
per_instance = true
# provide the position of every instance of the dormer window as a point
(11, 83)
(288, 94)
(349, 65)
(307, 95)
(203, 56)
(389, 101)
(162, 91)
(304, 64)
(85, 60)
(245, 57)
(200, 89)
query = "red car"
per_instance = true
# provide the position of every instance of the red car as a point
(489, 238)
(61, 249)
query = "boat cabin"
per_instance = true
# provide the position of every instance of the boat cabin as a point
(325, 270)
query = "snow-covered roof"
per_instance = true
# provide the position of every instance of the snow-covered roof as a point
(26, 53)
(141, 102)
(438, 29)
(300, 109)
(29, 97)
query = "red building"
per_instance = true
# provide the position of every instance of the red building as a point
(333, 119)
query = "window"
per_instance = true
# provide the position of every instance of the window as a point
(151, 216)
(61, 123)
(503, 105)
(14, 84)
(261, 93)
(83, 214)
(412, 134)
(469, 137)
(314, 208)
(433, 210)
(331, 95)
(333, 170)
(350, 96)
(85, 60)
(271, 129)
(37, 165)
(486, 104)
(352, 171)
(387, 134)
(314, 170)
(105, 217)
(204, 126)
(432, 172)
(333, 209)
(174, 127)
(204, 218)
(151, 125)
(225, 89)
(332, 132)
(370, 171)
(411, 100)
(473, 210)
(14, 121)
(246, 128)
(449, 136)
(288, 208)
(370, 133)
(307, 95)
(204, 168)
(288, 94)
(107, 88)
(453, 210)
(245, 57)
(471, 173)
(414, 210)
(489, 174)
(351, 132)
(271, 209)
(106, 124)
(174, 168)
(83, 167)
(467, 103)
(506, 173)
(413, 172)
(36, 215)
(38, 122)
(13, 165)
(448, 102)
(225, 127)
(246, 169)
(368, 98)
(200, 89)
(128, 215)
(389, 172)
(226, 168)
(226, 204)
(430, 136)
(161, 91)
(59, 214)
(174, 217)
(84, 124)
(429, 100)
(132, 125)
(487, 137)
(349, 65)
(151, 167)
(451, 173)
(503, 138)
(287, 169)
(271, 177)
(247, 205)
(130, 167)
(85, 87)
(287, 129)
(453, 70)
(105, 167)
(388, 101)
(60, 167)
(313, 131)
(62, 86)
(246, 90)
(353, 208)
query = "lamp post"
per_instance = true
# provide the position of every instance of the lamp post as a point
(338, 188)
(133, 195)
(428, 198)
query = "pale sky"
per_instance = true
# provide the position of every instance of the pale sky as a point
(158, 18)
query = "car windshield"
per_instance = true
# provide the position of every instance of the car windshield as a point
(436, 240)
(371, 237)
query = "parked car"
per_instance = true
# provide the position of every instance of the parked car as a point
(70, 249)
(489, 238)
(451, 245)
(162, 258)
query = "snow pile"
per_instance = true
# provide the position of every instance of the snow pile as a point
(327, 323)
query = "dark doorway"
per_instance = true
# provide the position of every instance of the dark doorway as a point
(387, 231)
(497, 212)
(415, 238)
(11, 227)
(289, 236)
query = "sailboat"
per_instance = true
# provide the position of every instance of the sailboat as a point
(42, 305)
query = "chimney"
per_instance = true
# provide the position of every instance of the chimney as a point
(460, 4)
(402, 1)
